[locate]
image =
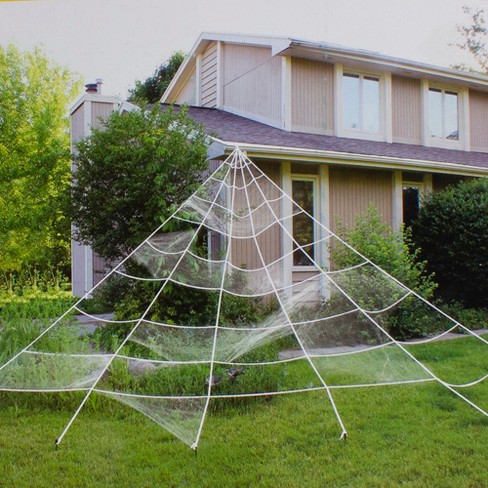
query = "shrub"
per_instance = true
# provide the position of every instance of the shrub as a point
(393, 252)
(452, 232)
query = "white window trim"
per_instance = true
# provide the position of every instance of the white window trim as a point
(316, 209)
(463, 117)
(386, 131)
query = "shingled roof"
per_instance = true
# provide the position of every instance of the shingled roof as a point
(234, 129)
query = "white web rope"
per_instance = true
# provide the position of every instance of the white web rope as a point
(335, 319)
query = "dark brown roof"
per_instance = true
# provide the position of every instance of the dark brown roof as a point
(233, 128)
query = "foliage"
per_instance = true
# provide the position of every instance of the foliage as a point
(151, 89)
(394, 253)
(391, 251)
(474, 37)
(452, 232)
(32, 282)
(130, 174)
(22, 319)
(35, 159)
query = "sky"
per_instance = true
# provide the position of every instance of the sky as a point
(122, 41)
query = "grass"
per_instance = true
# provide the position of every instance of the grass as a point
(411, 435)
(398, 436)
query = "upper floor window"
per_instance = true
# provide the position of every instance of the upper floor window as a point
(361, 102)
(443, 114)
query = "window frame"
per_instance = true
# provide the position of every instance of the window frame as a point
(384, 97)
(316, 208)
(462, 142)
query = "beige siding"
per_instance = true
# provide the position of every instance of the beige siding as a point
(100, 111)
(208, 89)
(352, 190)
(478, 113)
(406, 110)
(312, 96)
(244, 251)
(187, 94)
(252, 82)
(78, 124)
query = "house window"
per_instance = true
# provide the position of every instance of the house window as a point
(411, 194)
(361, 102)
(303, 224)
(443, 114)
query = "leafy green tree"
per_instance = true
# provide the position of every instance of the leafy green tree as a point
(151, 89)
(452, 232)
(474, 36)
(34, 159)
(130, 174)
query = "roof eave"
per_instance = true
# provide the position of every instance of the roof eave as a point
(352, 159)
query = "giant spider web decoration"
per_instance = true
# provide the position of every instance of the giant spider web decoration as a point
(235, 241)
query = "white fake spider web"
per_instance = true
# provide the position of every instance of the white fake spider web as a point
(233, 242)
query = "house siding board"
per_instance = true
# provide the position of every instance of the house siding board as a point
(353, 190)
(187, 94)
(478, 114)
(252, 82)
(312, 96)
(244, 251)
(77, 124)
(100, 111)
(406, 110)
(208, 89)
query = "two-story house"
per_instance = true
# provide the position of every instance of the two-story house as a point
(336, 128)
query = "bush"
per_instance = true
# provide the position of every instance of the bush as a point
(392, 252)
(452, 233)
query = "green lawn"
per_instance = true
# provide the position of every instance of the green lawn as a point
(413, 435)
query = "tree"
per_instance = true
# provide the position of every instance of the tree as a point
(34, 159)
(152, 89)
(452, 232)
(131, 172)
(474, 37)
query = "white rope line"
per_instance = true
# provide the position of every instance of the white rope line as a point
(256, 328)
(165, 253)
(250, 211)
(122, 344)
(347, 268)
(263, 293)
(389, 307)
(217, 318)
(71, 355)
(476, 407)
(472, 383)
(353, 352)
(41, 390)
(180, 362)
(101, 319)
(259, 394)
(319, 376)
(430, 339)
